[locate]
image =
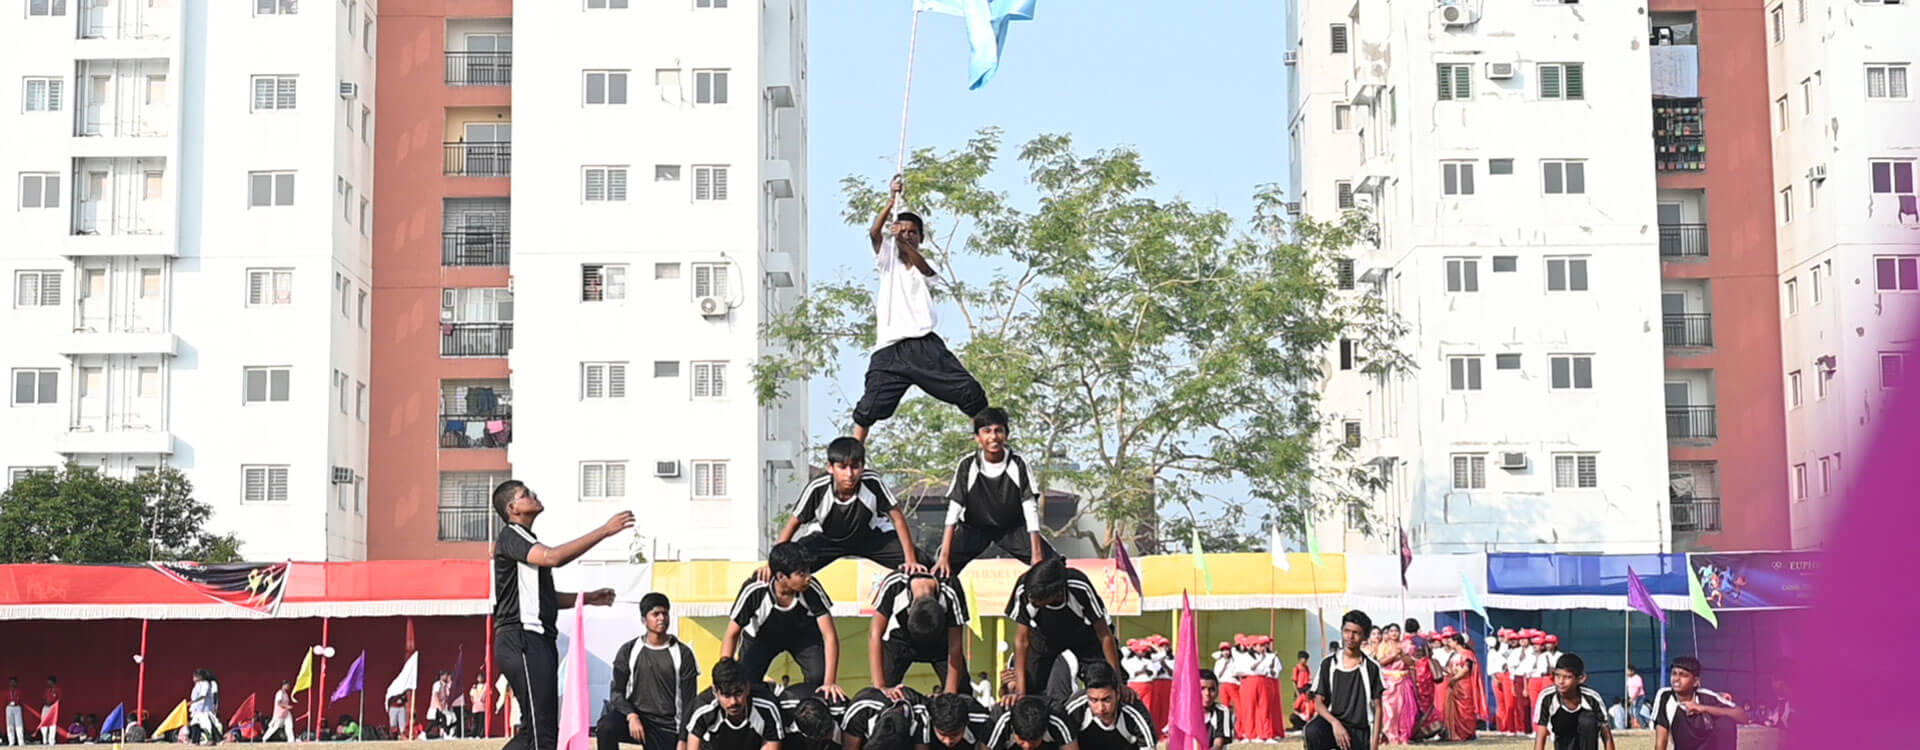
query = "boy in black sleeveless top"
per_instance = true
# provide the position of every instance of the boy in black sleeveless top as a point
(994, 500)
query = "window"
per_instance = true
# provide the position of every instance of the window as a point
(1343, 273)
(1799, 481)
(1337, 43)
(1786, 205)
(1792, 291)
(1896, 273)
(709, 480)
(346, 205)
(269, 189)
(709, 280)
(1469, 471)
(1352, 433)
(264, 484)
(1499, 166)
(1883, 81)
(36, 387)
(363, 309)
(709, 380)
(666, 173)
(1342, 117)
(1571, 371)
(701, 4)
(366, 125)
(1893, 365)
(269, 286)
(1778, 19)
(1344, 192)
(601, 282)
(607, 4)
(710, 86)
(340, 387)
(604, 184)
(39, 190)
(710, 183)
(267, 384)
(366, 210)
(1566, 274)
(18, 474)
(1893, 177)
(274, 92)
(666, 369)
(360, 400)
(366, 34)
(1814, 286)
(43, 94)
(1456, 178)
(1349, 353)
(1463, 373)
(606, 87)
(1456, 81)
(1822, 374)
(1463, 274)
(353, 9)
(1806, 96)
(1826, 475)
(346, 295)
(1566, 81)
(603, 380)
(1505, 263)
(36, 288)
(666, 271)
(1575, 471)
(1803, 11)
(46, 7)
(1506, 361)
(603, 480)
(1793, 389)
(1563, 177)
(1780, 114)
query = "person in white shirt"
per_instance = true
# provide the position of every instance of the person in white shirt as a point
(1229, 683)
(906, 351)
(983, 689)
(282, 714)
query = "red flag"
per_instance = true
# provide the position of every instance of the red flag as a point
(245, 711)
(51, 718)
(410, 648)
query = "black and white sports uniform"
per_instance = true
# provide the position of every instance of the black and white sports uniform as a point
(1067, 626)
(524, 612)
(1059, 731)
(995, 504)
(759, 724)
(1350, 695)
(1220, 722)
(979, 726)
(1132, 727)
(656, 683)
(864, 712)
(1694, 731)
(857, 525)
(899, 649)
(1577, 728)
(769, 629)
(789, 703)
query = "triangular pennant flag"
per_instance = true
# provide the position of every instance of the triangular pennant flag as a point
(174, 720)
(1473, 595)
(116, 721)
(1313, 545)
(305, 680)
(1278, 546)
(1200, 560)
(355, 681)
(244, 712)
(1697, 598)
(1187, 725)
(576, 724)
(1124, 562)
(408, 677)
(1639, 598)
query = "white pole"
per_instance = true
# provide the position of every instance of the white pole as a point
(906, 99)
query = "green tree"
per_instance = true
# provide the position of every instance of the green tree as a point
(78, 515)
(1148, 350)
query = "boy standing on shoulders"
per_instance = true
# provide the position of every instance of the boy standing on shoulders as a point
(994, 500)
(855, 512)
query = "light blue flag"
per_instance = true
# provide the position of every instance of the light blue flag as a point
(1473, 596)
(987, 22)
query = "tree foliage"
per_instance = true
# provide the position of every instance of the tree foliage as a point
(1150, 351)
(78, 515)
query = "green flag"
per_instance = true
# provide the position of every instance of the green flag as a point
(1200, 560)
(1698, 598)
(1313, 544)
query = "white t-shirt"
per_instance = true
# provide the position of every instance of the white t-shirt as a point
(1223, 669)
(904, 307)
(1497, 660)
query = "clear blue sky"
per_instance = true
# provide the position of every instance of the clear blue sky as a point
(1201, 94)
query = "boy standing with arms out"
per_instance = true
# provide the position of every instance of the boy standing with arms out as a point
(994, 500)
(1693, 717)
(856, 514)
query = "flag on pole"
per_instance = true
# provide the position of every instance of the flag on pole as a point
(459, 664)
(175, 720)
(1473, 596)
(354, 682)
(1278, 546)
(1200, 560)
(116, 721)
(1406, 558)
(1697, 598)
(1124, 562)
(1639, 598)
(244, 712)
(576, 725)
(408, 677)
(305, 680)
(1187, 717)
(987, 22)
(975, 621)
(1313, 545)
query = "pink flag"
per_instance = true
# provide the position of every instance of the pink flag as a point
(1187, 725)
(576, 728)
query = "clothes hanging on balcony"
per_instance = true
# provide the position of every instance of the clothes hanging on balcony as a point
(476, 431)
(446, 329)
(482, 401)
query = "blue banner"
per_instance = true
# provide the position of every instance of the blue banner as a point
(1589, 575)
(1756, 580)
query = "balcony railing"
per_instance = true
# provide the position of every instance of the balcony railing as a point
(465, 524)
(1679, 135)
(1688, 329)
(474, 247)
(475, 339)
(479, 159)
(1696, 514)
(1692, 422)
(1683, 240)
(479, 68)
(476, 430)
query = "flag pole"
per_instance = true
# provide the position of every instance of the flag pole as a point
(140, 690)
(906, 99)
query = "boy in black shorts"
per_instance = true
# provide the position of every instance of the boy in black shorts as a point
(1574, 715)
(787, 613)
(855, 512)
(918, 619)
(994, 500)
(1693, 717)
(730, 716)
(1058, 611)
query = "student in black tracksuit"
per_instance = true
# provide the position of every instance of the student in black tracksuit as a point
(955, 722)
(811, 722)
(993, 500)
(919, 619)
(1346, 693)
(855, 512)
(654, 683)
(1058, 611)
(789, 612)
(1030, 723)
(731, 715)
(1104, 718)
(871, 706)
(1220, 718)
(525, 609)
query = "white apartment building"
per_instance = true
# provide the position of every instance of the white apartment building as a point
(1517, 239)
(188, 257)
(659, 218)
(1845, 147)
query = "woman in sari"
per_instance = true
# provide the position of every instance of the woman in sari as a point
(1427, 723)
(1396, 677)
(1466, 694)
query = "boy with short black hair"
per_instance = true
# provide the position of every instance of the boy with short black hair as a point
(729, 716)
(854, 513)
(994, 500)
(811, 723)
(1346, 693)
(1219, 716)
(1030, 723)
(918, 619)
(786, 612)
(1058, 611)
(655, 681)
(956, 723)
(1574, 715)
(871, 706)
(1693, 717)
(1104, 717)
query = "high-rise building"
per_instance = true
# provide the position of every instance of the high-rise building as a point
(189, 256)
(1842, 114)
(1566, 332)
(614, 230)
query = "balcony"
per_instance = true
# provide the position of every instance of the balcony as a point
(1683, 240)
(1679, 135)
(479, 68)
(474, 247)
(89, 437)
(479, 158)
(1692, 422)
(475, 339)
(1696, 514)
(128, 20)
(476, 414)
(465, 524)
(1687, 329)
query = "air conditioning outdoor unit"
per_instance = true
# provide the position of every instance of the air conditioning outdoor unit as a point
(1513, 461)
(666, 469)
(1292, 57)
(712, 307)
(342, 475)
(1817, 172)
(1499, 70)
(349, 89)
(1293, 208)
(1456, 13)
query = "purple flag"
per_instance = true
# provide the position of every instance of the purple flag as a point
(1640, 599)
(1406, 558)
(1122, 561)
(354, 682)
(459, 663)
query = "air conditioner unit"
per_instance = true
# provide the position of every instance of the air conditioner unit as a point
(1817, 172)
(1363, 200)
(1499, 70)
(711, 307)
(1292, 57)
(1456, 13)
(349, 89)
(1293, 208)
(666, 469)
(1513, 461)
(342, 475)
